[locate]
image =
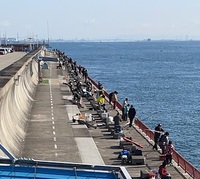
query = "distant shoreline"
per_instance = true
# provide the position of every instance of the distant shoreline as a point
(40, 41)
(116, 40)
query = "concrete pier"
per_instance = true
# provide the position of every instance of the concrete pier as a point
(50, 133)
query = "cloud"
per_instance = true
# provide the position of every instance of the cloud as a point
(4, 23)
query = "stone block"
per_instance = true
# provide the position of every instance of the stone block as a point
(144, 174)
(138, 160)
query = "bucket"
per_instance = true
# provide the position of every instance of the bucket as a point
(110, 119)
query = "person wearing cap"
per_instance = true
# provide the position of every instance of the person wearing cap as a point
(157, 134)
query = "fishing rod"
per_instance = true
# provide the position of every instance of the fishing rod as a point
(161, 132)
(126, 125)
(152, 114)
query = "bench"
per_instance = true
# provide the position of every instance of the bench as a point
(123, 143)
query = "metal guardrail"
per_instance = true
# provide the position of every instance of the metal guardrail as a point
(186, 166)
(118, 105)
(181, 161)
(24, 164)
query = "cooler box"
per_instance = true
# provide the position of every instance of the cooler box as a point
(138, 160)
(104, 115)
(88, 117)
(109, 120)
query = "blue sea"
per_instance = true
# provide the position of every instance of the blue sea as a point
(161, 79)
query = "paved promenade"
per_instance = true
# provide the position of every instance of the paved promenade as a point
(51, 134)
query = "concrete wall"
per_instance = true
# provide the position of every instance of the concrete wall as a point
(15, 104)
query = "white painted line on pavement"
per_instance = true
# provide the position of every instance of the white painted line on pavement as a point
(52, 114)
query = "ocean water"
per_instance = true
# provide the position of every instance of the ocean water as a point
(161, 79)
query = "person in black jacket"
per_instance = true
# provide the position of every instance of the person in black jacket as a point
(110, 97)
(157, 134)
(163, 141)
(131, 115)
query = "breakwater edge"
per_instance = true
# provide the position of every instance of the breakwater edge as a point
(161, 79)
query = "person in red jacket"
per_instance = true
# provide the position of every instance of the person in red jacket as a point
(163, 171)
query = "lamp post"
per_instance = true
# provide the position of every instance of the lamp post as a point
(39, 71)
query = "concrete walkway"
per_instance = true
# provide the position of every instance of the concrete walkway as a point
(10, 58)
(51, 134)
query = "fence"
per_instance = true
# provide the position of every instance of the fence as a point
(182, 162)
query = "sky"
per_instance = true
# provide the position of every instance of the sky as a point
(100, 19)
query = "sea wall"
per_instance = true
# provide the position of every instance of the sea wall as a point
(15, 104)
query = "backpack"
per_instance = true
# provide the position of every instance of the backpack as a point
(138, 152)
